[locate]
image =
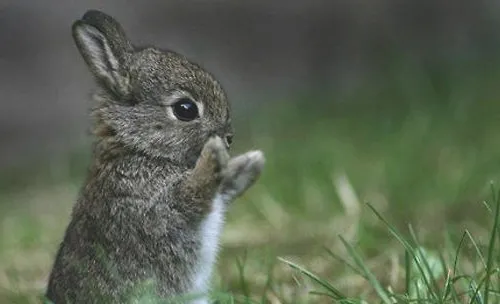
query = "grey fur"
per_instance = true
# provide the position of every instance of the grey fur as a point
(152, 179)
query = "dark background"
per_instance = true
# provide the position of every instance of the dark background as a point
(261, 50)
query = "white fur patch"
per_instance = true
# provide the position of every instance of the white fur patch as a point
(210, 230)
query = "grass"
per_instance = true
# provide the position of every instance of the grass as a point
(381, 195)
(429, 277)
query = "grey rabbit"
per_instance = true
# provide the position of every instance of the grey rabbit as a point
(149, 215)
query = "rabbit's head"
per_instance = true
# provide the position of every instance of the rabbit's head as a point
(152, 101)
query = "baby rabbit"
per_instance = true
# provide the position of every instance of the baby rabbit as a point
(153, 203)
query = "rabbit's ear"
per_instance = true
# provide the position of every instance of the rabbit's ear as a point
(104, 47)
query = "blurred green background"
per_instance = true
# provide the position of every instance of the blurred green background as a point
(410, 123)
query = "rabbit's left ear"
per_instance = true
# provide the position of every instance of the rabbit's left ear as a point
(104, 48)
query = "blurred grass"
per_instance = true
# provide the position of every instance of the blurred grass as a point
(419, 142)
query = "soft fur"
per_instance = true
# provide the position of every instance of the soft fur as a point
(153, 203)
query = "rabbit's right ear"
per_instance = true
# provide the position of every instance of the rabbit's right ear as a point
(104, 47)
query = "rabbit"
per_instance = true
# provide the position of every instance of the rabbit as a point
(149, 215)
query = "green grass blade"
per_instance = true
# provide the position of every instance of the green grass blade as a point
(488, 207)
(491, 245)
(408, 247)
(475, 293)
(321, 294)
(345, 262)
(457, 252)
(407, 273)
(369, 275)
(429, 273)
(479, 254)
(315, 278)
(448, 288)
(269, 281)
(240, 264)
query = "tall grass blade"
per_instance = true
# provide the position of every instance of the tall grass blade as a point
(407, 273)
(346, 263)
(315, 278)
(491, 245)
(240, 264)
(430, 273)
(475, 293)
(408, 247)
(369, 275)
(269, 282)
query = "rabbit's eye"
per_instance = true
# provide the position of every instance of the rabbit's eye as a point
(185, 109)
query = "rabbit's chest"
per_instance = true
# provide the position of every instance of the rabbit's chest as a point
(209, 231)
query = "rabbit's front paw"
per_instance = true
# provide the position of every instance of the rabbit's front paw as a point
(241, 172)
(214, 156)
(203, 181)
